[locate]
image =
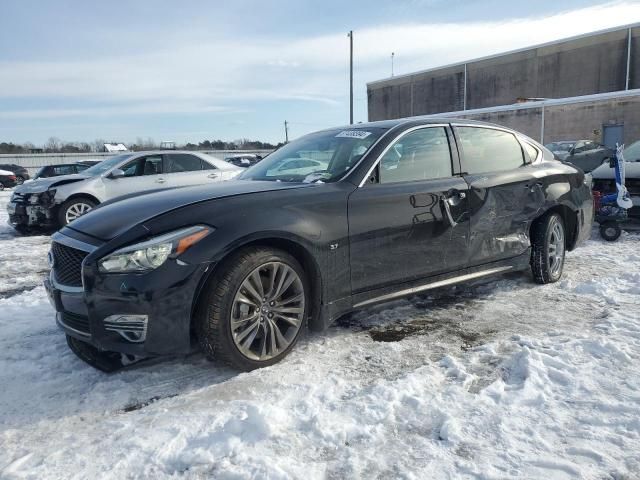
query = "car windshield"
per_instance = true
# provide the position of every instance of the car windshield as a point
(318, 157)
(105, 165)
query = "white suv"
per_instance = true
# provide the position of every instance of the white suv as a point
(57, 201)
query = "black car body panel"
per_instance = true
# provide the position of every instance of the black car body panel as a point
(360, 241)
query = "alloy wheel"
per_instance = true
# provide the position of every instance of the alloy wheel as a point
(556, 247)
(76, 210)
(267, 311)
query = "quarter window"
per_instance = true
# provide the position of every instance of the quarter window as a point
(183, 162)
(489, 150)
(420, 155)
(532, 151)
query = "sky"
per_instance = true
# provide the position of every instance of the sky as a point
(203, 69)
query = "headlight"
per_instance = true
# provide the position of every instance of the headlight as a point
(149, 255)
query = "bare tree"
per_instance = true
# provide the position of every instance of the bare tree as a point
(52, 145)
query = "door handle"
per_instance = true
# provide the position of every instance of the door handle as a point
(161, 180)
(453, 197)
(213, 175)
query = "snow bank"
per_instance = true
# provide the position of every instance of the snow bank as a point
(499, 380)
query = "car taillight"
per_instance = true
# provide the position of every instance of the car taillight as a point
(12, 177)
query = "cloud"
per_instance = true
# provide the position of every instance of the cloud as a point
(225, 74)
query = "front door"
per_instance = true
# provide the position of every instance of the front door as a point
(399, 226)
(505, 193)
(140, 174)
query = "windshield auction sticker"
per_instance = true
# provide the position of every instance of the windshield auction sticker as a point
(353, 134)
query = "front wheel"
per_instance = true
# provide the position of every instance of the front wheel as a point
(548, 249)
(74, 208)
(255, 309)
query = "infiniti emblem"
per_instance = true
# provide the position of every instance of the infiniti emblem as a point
(50, 259)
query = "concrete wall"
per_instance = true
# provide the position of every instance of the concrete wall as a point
(33, 162)
(580, 66)
(577, 121)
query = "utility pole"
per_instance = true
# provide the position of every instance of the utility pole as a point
(350, 35)
(392, 55)
(286, 132)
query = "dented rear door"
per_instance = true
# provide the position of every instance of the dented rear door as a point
(505, 193)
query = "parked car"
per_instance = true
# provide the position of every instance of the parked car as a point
(7, 179)
(560, 149)
(21, 173)
(245, 266)
(64, 169)
(604, 182)
(57, 201)
(245, 160)
(588, 155)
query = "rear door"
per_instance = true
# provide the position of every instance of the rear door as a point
(141, 174)
(400, 228)
(505, 191)
(184, 169)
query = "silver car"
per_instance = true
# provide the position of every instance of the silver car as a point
(57, 201)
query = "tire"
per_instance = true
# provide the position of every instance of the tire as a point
(19, 179)
(78, 205)
(548, 249)
(1, 186)
(610, 231)
(107, 362)
(248, 343)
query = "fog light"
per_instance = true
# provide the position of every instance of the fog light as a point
(132, 328)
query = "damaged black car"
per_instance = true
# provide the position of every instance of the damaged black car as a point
(332, 222)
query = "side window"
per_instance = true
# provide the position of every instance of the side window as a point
(489, 150)
(65, 170)
(151, 165)
(206, 165)
(420, 155)
(183, 162)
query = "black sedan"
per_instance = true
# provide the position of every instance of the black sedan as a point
(20, 173)
(391, 209)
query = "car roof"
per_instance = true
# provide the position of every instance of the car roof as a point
(426, 120)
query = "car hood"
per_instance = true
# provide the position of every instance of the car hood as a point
(44, 184)
(115, 217)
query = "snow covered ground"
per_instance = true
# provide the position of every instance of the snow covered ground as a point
(497, 380)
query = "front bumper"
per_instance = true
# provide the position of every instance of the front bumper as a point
(165, 298)
(21, 215)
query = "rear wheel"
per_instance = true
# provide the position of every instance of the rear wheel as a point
(548, 249)
(610, 231)
(255, 309)
(74, 208)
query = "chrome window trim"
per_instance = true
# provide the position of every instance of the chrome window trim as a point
(392, 142)
(431, 285)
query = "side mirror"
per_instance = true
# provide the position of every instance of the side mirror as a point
(116, 173)
(572, 151)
